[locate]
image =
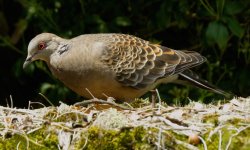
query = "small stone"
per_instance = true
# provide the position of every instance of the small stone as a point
(193, 139)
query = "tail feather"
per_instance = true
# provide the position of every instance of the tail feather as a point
(189, 77)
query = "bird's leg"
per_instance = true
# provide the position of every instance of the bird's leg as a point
(155, 94)
(153, 100)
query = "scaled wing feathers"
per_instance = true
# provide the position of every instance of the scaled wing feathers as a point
(138, 63)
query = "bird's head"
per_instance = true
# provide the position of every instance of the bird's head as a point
(41, 47)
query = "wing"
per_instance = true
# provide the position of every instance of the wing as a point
(138, 63)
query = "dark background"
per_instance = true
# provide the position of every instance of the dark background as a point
(218, 29)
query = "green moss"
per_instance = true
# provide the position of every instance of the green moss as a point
(241, 141)
(127, 138)
(52, 115)
(51, 142)
(235, 121)
(46, 141)
(139, 102)
(1, 125)
(70, 117)
(213, 119)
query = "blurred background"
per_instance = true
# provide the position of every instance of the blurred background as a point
(219, 30)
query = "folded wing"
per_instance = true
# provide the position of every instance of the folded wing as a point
(138, 63)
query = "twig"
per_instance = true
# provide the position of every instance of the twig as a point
(215, 131)
(7, 102)
(58, 146)
(26, 137)
(33, 130)
(11, 102)
(231, 137)
(46, 99)
(128, 105)
(186, 145)
(85, 143)
(74, 112)
(176, 121)
(17, 146)
(159, 98)
(86, 102)
(90, 93)
(159, 139)
(35, 103)
(175, 126)
(220, 139)
(18, 110)
(27, 141)
(203, 142)
(57, 124)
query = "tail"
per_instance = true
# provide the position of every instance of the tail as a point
(191, 78)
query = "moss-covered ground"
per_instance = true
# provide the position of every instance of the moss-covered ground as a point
(224, 126)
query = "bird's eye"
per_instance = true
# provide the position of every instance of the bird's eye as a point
(41, 45)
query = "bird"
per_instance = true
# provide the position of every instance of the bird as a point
(116, 65)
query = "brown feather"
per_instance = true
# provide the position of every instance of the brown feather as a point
(139, 63)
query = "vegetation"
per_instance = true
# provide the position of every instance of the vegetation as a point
(220, 30)
(100, 126)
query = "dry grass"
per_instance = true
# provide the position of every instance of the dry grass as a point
(195, 120)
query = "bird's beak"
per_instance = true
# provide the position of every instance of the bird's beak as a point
(27, 61)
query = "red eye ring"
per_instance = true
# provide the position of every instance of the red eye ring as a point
(41, 45)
